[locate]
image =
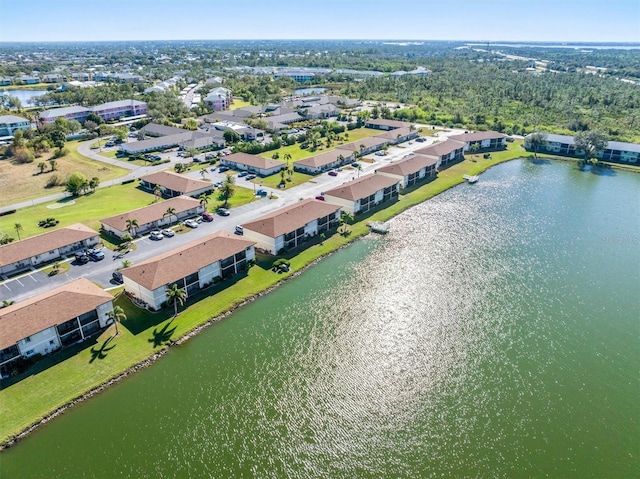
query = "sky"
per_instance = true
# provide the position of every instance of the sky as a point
(482, 20)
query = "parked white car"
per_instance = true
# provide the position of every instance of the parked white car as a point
(191, 223)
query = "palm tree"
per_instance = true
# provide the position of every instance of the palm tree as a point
(228, 189)
(157, 192)
(132, 224)
(175, 295)
(53, 164)
(127, 238)
(42, 165)
(7, 302)
(203, 173)
(204, 200)
(117, 315)
(18, 228)
(126, 263)
(170, 212)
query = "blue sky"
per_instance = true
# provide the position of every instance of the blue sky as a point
(484, 20)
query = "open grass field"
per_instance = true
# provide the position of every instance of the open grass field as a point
(298, 153)
(24, 182)
(87, 209)
(238, 104)
(296, 179)
(243, 194)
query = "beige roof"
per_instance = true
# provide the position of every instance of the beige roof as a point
(185, 260)
(151, 213)
(393, 134)
(367, 142)
(478, 136)
(29, 247)
(408, 166)
(318, 161)
(362, 187)
(290, 218)
(253, 160)
(390, 123)
(441, 148)
(40, 312)
(174, 181)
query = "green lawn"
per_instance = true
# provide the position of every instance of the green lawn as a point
(238, 104)
(86, 209)
(241, 196)
(68, 374)
(274, 180)
(298, 153)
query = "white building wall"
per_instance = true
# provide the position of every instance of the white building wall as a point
(347, 205)
(311, 228)
(102, 311)
(251, 253)
(39, 343)
(264, 242)
(379, 196)
(44, 257)
(209, 272)
(154, 298)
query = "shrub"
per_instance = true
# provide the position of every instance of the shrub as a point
(54, 180)
(24, 156)
(60, 152)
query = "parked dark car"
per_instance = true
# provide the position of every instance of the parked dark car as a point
(117, 277)
(333, 173)
(223, 212)
(82, 258)
(207, 217)
(320, 197)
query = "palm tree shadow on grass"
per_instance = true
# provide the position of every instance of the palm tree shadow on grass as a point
(101, 352)
(159, 337)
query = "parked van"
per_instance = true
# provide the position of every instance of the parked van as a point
(239, 230)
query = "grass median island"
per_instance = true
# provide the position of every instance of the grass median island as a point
(51, 384)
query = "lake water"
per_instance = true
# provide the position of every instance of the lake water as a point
(24, 95)
(309, 91)
(492, 333)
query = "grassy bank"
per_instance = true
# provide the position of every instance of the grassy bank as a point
(60, 379)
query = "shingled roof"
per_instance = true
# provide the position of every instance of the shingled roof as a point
(151, 213)
(408, 166)
(362, 187)
(290, 218)
(185, 260)
(54, 307)
(176, 182)
(29, 247)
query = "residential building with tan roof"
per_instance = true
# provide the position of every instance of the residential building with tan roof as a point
(365, 146)
(292, 226)
(44, 323)
(253, 163)
(324, 161)
(486, 140)
(191, 267)
(411, 170)
(382, 124)
(446, 152)
(174, 184)
(154, 216)
(50, 246)
(361, 195)
(399, 135)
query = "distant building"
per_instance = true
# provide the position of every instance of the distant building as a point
(174, 184)
(564, 145)
(10, 123)
(219, 99)
(253, 164)
(107, 111)
(445, 152)
(53, 78)
(485, 140)
(382, 124)
(49, 321)
(324, 161)
(5, 81)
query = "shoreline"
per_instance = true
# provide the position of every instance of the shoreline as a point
(358, 230)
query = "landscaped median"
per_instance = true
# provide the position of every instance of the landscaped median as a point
(143, 337)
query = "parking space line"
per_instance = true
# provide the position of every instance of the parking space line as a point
(6, 286)
(19, 282)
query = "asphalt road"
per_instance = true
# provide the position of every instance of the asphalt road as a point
(36, 282)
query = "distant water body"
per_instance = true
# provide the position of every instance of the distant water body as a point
(24, 95)
(494, 332)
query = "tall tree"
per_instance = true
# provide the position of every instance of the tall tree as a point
(204, 200)
(228, 189)
(535, 141)
(18, 228)
(170, 212)
(591, 143)
(132, 224)
(117, 315)
(175, 295)
(157, 192)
